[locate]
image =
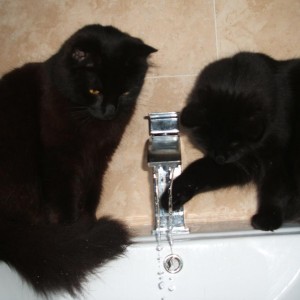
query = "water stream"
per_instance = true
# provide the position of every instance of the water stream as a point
(165, 279)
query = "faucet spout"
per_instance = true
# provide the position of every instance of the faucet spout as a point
(164, 158)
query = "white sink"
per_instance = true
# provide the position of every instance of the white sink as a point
(242, 265)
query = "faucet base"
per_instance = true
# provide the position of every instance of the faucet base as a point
(166, 222)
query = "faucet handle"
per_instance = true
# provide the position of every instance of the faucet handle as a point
(163, 123)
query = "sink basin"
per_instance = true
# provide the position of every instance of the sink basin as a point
(226, 265)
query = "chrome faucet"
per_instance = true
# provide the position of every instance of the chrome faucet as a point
(164, 157)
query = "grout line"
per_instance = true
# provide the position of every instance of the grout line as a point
(216, 28)
(171, 76)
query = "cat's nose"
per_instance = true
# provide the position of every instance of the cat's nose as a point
(103, 111)
(109, 111)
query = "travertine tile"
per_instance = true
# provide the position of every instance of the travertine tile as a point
(182, 31)
(264, 26)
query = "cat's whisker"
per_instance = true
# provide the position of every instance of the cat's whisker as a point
(81, 115)
(83, 119)
(243, 168)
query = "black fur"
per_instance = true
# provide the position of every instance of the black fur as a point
(60, 123)
(243, 113)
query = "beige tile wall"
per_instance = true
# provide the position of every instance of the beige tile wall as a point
(188, 34)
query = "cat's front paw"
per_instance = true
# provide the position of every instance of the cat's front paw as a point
(268, 220)
(181, 193)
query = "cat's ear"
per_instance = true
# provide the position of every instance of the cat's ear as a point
(138, 49)
(144, 50)
(82, 57)
(195, 111)
(189, 116)
(79, 55)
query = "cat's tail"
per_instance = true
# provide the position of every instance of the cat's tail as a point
(54, 258)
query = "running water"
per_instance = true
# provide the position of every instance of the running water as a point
(159, 247)
(164, 284)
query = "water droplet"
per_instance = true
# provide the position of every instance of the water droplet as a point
(159, 248)
(161, 285)
(160, 272)
(171, 279)
(172, 288)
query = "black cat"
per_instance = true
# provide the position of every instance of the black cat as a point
(60, 123)
(243, 113)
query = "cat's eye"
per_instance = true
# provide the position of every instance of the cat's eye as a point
(94, 92)
(126, 93)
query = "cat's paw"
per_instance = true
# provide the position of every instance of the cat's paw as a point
(181, 193)
(268, 220)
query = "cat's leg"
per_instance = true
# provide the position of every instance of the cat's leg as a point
(93, 196)
(63, 187)
(62, 199)
(204, 175)
(274, 193)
